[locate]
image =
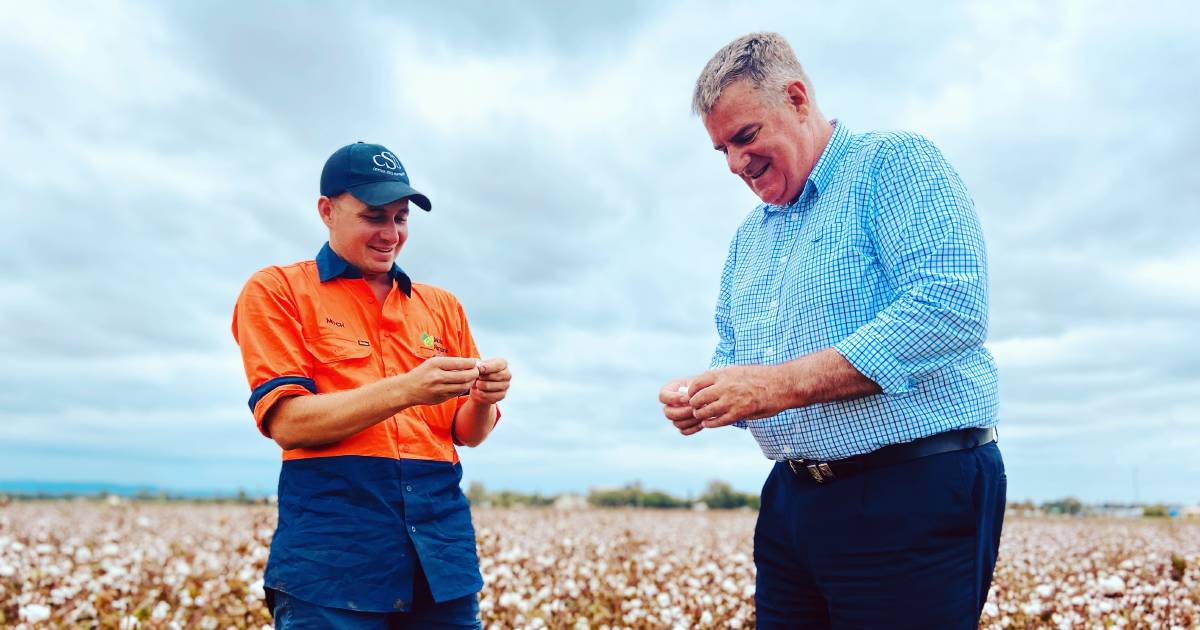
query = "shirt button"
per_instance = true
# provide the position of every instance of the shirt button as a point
(768, 352)
(783, 258)
(774, 303)
(409, 488)
(793, 216)
(787, 448)
(414, 529)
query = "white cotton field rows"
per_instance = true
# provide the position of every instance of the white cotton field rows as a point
(143, 565)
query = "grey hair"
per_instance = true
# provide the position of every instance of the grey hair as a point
(764, 59)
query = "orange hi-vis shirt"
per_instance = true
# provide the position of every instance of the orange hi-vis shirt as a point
(316, 327)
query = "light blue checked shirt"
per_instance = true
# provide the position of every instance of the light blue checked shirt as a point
(882, 258)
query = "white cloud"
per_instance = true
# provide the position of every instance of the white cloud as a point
(156, 155)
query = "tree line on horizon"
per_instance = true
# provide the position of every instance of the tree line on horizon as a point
(717, 495)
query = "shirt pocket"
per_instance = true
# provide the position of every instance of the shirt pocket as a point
(331, 348)
(341, 363)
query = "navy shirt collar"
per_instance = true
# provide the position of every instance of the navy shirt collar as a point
(331, 266)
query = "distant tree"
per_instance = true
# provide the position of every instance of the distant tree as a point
(719, 495)
(476, 493)
(1155, 511)
(1068, 505)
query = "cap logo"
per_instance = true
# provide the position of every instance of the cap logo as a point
(388, 161)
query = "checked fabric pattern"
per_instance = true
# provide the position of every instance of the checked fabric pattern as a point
(882, 258)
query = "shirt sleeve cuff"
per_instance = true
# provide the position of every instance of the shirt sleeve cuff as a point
(266, 395)
(876, 364)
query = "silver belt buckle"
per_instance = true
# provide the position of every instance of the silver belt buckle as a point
(819, 471)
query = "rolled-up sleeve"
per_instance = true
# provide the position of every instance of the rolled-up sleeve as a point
(267, 328)
(929, 242)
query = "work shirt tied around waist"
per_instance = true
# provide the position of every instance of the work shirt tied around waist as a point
(882, 258)
(355, 517)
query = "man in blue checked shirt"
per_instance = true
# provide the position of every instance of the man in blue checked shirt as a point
(852, 314)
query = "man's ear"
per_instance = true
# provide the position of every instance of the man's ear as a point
(325, 209)
(797, 98)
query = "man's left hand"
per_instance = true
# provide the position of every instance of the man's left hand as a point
(492, 385)
(739, 392)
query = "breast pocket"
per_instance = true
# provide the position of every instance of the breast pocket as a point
(341, 363)
(834, 268)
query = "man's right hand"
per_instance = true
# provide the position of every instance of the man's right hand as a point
(437, 380)
(677, 408)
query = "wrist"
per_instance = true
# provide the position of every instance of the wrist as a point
(399, 392)
(792, 384)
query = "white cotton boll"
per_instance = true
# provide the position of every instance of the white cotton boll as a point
(1112, 585)
(706, 618)
(1044, 590)
(664, 600)
(7, 570)
(34, 613)
(160, 612)
(991, 610)
(257, 590)
(83, 555)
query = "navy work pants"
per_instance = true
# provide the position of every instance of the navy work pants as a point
(911, 545)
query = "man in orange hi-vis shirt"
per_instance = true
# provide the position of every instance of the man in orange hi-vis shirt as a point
(367, 381)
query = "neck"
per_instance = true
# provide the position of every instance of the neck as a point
(380, 283)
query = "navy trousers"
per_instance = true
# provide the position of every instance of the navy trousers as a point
(911, 545)
(291, 613)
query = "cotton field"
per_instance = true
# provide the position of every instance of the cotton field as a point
(87, 564)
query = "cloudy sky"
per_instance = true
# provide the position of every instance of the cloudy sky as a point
(155, 155)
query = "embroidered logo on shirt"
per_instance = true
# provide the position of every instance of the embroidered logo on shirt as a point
(330, 320)
(430, 342)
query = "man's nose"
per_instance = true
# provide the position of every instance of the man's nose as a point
(390, 234)
(738, 161)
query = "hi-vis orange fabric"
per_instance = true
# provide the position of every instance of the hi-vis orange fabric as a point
(316, 327)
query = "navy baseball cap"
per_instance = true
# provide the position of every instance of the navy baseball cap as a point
(371, 173)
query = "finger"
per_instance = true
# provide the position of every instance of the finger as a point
(491, 386)
(490, 398)
(494, 364)
(498, 376)
(692, 431)
(674, 413)
(452, 363)
(723, 420)
(704, 397)
(458, 377)
(674, 392)
(706, 379)
(686, 423)
(711, 410)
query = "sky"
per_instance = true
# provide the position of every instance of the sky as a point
(155, 155)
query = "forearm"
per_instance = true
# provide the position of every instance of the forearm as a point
(311, 421)
(474, 421)
(822, 376)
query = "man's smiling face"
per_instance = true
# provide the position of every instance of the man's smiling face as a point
(368, 237)
(765, 139)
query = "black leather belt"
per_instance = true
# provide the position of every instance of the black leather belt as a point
(957, 440)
